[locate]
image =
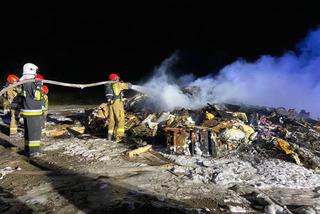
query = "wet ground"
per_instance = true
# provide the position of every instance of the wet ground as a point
(81, 173)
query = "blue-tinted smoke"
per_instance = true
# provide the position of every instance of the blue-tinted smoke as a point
(291, 81)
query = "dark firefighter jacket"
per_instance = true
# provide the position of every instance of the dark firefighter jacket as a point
(32, 99)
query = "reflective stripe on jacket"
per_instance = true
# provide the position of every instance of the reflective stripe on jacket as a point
(33, 112)
(33, 143)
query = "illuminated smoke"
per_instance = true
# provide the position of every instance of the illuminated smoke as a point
(291, 81)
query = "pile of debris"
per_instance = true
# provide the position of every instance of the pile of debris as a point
(250, 150)
(218, 130)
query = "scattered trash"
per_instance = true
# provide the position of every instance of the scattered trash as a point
(191, 141)
(219, 129)
(285, 146)
(97, 119)
(209, 116)
(7, 170)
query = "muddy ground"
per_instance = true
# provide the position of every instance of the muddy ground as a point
(82, 173)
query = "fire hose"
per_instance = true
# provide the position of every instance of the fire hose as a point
(72, 85)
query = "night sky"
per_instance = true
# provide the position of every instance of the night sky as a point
(83, 43)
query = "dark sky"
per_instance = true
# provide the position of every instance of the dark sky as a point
(83, 43)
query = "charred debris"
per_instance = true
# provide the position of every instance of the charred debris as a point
(219, 130)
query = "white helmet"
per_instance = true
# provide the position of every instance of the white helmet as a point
(30, 69)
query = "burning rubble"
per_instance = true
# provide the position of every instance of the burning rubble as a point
(217, 129)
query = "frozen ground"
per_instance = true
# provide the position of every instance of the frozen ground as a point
(208, 175)
(228, 172)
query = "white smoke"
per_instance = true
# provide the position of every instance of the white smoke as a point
(291, 81)
(165, 89)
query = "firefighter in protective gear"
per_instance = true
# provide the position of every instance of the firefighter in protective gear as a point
(114, 95)
(45, 104)
(32, 100)
(9, 97)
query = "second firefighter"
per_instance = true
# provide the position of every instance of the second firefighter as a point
(114, 95)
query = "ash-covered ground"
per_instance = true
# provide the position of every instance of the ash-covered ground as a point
(265, 160)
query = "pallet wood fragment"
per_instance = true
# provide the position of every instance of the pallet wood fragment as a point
(60, 130)
(155, 159)
(55, 133)
(140, 150)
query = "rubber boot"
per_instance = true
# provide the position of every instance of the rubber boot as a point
(119, 139)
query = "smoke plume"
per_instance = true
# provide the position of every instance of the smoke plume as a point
(291, 81)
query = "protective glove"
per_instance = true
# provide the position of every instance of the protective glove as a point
(129, 85)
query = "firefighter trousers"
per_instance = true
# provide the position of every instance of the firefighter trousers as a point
(116, 119)
(44, 119)
(32, 133)
(13, 123)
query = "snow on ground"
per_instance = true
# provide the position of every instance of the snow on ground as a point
(91, 149)
(224, 171)
(228, 172)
